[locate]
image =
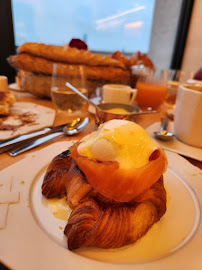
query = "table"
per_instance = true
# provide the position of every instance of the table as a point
(144, 121)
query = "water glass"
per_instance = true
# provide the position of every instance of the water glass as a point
(63, 97)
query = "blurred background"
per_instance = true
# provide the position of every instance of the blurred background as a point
(168, 31)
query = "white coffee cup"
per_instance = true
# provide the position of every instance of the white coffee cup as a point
(188, 115)
(3, 83)
(118, 93)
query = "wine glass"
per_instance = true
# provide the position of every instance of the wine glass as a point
(66, 100)
(152, 89)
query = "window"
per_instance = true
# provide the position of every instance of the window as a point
(105, 25)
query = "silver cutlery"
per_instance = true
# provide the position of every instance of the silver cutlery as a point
(69, 129)
(164, 134)
(5, 145)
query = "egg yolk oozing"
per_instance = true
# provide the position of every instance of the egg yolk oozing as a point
(119, 140)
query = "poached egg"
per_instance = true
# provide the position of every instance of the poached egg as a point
(119, 140)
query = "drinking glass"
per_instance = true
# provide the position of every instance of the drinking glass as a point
(63, 97)
(152, 89)
(175, 79)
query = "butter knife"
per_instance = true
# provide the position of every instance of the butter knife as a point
(5, 145)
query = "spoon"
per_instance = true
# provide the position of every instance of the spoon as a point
(163, 134)
(82, 95)
(70, 129)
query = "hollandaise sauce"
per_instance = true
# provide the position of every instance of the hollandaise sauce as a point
(59, 208)
(117, 110)
(119, 140)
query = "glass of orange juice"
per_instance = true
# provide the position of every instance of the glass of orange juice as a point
(152, 89)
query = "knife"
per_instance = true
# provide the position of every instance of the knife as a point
(70, 130)
(18, 150)
(5, 145)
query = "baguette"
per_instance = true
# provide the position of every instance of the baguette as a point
(37, 64)
(67, 54)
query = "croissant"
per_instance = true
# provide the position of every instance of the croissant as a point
(97, 221)
(136, 59)
(53, 183)
(76, 185)
(93, 224)
(63, 177)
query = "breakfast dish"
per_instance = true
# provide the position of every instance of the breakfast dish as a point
(31, 223)
(25, 117)
(113, 182)
(175, 145)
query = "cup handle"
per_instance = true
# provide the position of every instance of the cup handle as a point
(134, 93)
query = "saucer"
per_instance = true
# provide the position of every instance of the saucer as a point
(175, 145)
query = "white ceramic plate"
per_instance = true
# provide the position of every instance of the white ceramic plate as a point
(42, 117)
(176, 145)
(15, 87)
(30, 241)
(195, 82)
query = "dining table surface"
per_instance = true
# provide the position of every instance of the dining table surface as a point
(61, 118)
(6, 161)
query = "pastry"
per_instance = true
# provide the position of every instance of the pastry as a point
(6, 101)
(68, 54)
(114, 185)
(41, 65)
(95, 224)
(38, 59)
(137, 58)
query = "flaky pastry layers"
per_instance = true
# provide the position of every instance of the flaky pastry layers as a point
(97, 221)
